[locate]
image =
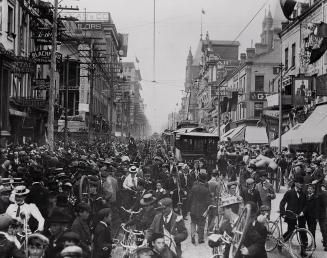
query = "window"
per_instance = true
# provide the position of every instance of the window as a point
(258, 107)
(286, 58)
(10, 24)
(293, 55)
(259, 83)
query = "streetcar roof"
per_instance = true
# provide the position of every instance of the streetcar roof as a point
(199, 134)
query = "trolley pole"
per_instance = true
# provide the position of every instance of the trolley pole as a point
(66, 102)
(52, 78)
(280, 102)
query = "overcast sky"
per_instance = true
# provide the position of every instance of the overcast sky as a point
(178, 28)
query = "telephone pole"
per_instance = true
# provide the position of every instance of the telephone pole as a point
(66, 102)
(280, 102)
(52, 78)
(91, 69)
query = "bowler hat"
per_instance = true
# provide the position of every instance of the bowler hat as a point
(59, 217)
(298, 179)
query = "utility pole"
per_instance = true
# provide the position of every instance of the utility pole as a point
(154, 40)
(52, 78)
(92, 68)
(280, 120)
(66, 102)
(111, 93)
(218, 112)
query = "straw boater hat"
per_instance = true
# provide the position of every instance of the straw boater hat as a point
(229, 200)
(147, 199)
(73, 250)
(21, 190)
(133, 169)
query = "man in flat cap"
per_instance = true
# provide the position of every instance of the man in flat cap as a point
(169, 223)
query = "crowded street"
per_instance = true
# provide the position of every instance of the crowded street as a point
(163, 129)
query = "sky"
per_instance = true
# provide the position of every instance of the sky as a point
(177, 29)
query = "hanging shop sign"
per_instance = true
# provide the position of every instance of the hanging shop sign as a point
(22, 65)
(44, 57)
(258, 96)
(41, 84)
(31, 102)
(43, 36)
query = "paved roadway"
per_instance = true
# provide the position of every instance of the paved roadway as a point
(203, 251)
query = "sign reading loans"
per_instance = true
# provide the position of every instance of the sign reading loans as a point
(89, 25)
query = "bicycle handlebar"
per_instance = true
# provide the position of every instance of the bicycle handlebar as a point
(131, 211)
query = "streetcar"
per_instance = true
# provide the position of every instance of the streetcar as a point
(196, 145)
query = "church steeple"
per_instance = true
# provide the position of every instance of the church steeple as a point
(269, 20)
(190, 57)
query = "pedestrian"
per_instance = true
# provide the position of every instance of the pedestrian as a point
(230, 207)
(102, 240)
(322, 204)
(169, 223)
(159, 247)
(8, 249)
(22, 211)
(265, 189)
(311, 210)
(36, 245)
(294, 200)
(250, 194)
(80, 224)
(215, 187)
(255, 238)
(199, 200)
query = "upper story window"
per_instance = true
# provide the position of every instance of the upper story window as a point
(286, 58)
(259, 83)
(11, 19)
(293, 55)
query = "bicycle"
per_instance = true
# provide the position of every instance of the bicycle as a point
(294, 245)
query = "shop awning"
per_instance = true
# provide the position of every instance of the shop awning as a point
(256, 135)
(250, 134)
(286, 137)
(314, 129)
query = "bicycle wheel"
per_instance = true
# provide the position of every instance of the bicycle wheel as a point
(302, 243)
(84, 190)
(240, 230)
(272, 237)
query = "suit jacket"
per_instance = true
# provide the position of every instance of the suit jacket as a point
(81, 228)
(293, 202)
(265, 198)
(199, 199)
(322, 203)
(102, 241)
(255, 240)
(177, 227)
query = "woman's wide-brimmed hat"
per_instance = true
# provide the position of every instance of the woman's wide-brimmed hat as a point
(20, 190)
(147, 199)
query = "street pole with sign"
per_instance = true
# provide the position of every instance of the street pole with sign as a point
(52, 78)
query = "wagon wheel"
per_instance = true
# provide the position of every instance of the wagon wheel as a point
(84, 190)
(278, 179)
(240, 230)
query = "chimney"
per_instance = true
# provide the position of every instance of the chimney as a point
(285, 24)
(250, 53)
(243, 57)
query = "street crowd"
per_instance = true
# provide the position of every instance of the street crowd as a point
(48, 211)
